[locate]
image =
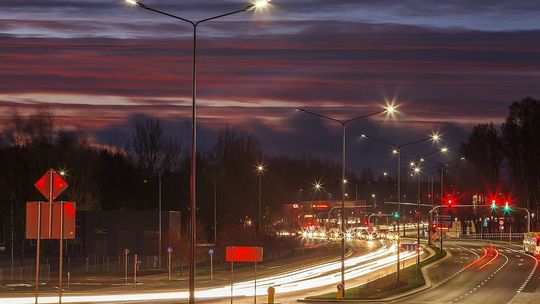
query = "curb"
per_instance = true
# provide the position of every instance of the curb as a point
(424, 270)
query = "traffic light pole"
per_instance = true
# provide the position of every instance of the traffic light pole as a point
(471, 206)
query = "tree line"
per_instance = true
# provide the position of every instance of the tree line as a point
(500, 159)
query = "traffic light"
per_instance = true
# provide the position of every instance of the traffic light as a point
(506, 207)
(493, 205)
(449, 201)
(396, 215)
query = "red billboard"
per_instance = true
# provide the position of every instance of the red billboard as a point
(32, 219)
(244, 254)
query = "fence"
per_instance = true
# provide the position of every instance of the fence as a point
(494, 236)
(24, 274)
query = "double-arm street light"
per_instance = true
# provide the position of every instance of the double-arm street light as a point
(396, 149)
(390, 109)
(192, 190)
(418, 171)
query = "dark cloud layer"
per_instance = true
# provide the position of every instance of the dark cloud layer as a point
(99, 66)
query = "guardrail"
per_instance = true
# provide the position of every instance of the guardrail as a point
(493, 236)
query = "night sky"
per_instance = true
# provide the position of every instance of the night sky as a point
(101, 65)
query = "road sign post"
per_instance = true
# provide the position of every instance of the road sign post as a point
(169, 251)
(51, 185)
(244, 254)
(211, 253)
(126, 252)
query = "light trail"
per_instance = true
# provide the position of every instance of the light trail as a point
(493, 259)
(325, 274)
(477, 260)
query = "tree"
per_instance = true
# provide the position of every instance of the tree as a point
(147, 145)
(483, 149)
(521, 146)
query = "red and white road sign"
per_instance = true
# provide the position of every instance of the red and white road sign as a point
(51, 185)
(243, 254)
(32, 219)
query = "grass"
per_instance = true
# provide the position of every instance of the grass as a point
(387, 286)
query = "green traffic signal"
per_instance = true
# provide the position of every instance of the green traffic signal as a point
(396, 215)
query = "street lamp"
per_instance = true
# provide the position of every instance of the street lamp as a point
(260, 170)
(418, 171)
(396, 150)
(346, 182)
(442, 167)
(390, 109)
(317, 186)
(193, 205)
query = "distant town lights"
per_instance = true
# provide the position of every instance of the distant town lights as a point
(131, 2)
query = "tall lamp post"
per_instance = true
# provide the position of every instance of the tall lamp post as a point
(193, 188)
(390, 109)
(260, 171)
(396, 149)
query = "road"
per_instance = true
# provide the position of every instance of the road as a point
(294, 282)
(479, 273)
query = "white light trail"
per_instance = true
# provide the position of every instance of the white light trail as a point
(325, 274)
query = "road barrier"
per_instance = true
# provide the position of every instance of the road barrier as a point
(494, 236)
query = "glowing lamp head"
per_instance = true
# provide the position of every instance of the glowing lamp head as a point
(449, 202)
(444, 149)
(390, 109)
(131, 2)
(394, 151)
(259, 4)
(435, 137)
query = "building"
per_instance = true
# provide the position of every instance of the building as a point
(315, 213)
(108, 233)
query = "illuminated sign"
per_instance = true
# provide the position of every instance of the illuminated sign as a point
(321, 206)
(244, 254)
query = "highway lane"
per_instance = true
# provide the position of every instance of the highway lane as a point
(294, 280)
(477, 273)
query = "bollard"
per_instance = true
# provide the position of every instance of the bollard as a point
(107, 265)
(69, 279)
(340, 291)
(271, 292)
(135, 271)
(86, 264)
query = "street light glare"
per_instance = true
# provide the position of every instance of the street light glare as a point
(131, 2)
(390, 109)
(435, 136)
(444, 149)
(259, 4)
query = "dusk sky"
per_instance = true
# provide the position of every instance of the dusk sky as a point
(99, 65)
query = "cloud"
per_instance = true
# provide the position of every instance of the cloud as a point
(97, 65)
